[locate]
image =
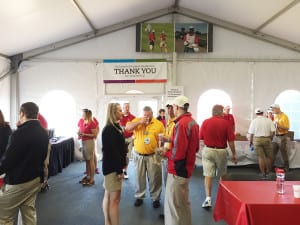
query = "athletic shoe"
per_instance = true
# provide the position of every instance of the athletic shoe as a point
(125, 175)
(138, 202)
(206, 203)
(156, 204)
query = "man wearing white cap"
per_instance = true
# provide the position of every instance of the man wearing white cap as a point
(282, 126)
(181, 161)
(261, 132)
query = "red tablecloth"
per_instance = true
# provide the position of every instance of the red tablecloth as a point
(256, 203)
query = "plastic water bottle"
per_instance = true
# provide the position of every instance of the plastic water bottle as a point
(280, 176)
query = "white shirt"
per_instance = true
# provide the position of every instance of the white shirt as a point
(261, 126)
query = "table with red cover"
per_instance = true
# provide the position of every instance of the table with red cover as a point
(256, 203)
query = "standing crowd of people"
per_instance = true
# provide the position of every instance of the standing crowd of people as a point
(163, 151)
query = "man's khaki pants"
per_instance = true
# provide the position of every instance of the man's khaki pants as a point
(19, 197)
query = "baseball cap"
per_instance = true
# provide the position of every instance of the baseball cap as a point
(258, 111)
(181, 101)
(275, 106)
(227, 107)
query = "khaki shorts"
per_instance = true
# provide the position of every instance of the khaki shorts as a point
(112, 182)
(263, 147)
(214, 162)
(88, 148)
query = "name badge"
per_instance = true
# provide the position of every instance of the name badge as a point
(147, 141)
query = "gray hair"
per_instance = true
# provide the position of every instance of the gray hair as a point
(147, 109)
(217, 110)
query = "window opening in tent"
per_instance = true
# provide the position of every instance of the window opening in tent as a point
(207, 100)
(152, 103)
(59, 109)
(289, 102)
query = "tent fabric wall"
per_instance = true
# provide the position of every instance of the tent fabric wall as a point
(234, 78)
(77, 78)
(269, 79)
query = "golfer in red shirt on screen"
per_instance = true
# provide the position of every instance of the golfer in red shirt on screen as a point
(215, 132)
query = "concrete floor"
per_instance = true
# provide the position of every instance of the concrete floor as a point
(69, 203)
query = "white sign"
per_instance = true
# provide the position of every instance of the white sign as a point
(131, 71)
(174, 91)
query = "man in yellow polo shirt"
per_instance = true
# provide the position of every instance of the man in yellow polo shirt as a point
(167, 145)
(146, 130)
(168, 133)
(279, 141)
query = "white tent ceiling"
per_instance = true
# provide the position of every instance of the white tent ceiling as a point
(33, 27)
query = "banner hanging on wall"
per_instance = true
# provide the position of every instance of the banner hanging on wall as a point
(134, 71)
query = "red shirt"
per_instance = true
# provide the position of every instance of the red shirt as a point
(162, 119)
(123, 121)
(151, 36)
(163, 37)
(184, 145)
(230, 118)
(43, 121)
(216, 131)
(86, 128)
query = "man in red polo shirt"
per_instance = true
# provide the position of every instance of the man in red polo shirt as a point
(228, 116)
(215, 132)
(127, 117)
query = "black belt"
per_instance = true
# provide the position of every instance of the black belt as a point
(216, 147)
(144, 154)
(278, 135)
(263, 137)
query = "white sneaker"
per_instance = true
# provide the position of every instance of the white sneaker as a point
(206, 203)
(125, 175)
